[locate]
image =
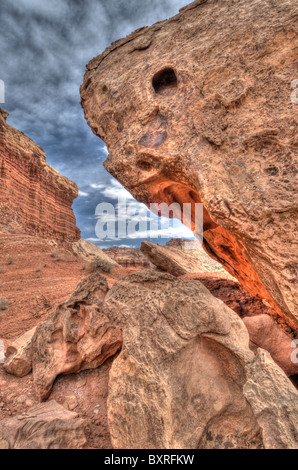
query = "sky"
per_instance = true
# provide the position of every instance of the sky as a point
(44, 48)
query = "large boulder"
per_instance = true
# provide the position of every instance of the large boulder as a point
(128, 257)
(46, 426)
(19, 355)
(76, 336)
(186, 377)
(88, 252)
(200, 108)
(171, 260)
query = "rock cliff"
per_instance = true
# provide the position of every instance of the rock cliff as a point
(34, 197)
(198, 108)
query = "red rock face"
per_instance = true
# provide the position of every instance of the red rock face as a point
(34, 197)
(198, 108)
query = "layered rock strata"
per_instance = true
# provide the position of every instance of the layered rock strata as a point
(34, 197)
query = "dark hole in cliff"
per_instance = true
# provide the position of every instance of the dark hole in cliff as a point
(143, 165)
(165, 82)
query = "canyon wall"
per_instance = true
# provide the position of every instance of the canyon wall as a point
(198, 109)
(34, 197)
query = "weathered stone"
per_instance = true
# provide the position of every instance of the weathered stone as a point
(75, 337)
(273, 399)
(266, 334)
(204, 114)
(88, 251)
(186, 377)
(171, 260)
(14, 345)
(233, 294)
(18, 355)
(47, 426)
(129, 257)
(4, 444)
(20, 362)
(2, 350)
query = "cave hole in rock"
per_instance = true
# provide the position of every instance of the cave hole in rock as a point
(165, 82)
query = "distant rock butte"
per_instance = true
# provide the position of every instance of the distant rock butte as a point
(198, 108)
(34, 197)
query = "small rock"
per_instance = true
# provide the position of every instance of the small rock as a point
(72, 402)
(3, 444)
(46, 426)
(22, 399)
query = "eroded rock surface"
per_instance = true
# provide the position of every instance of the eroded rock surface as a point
(128, 257)
(186, 377)
(88, 251)
(198, 108)
(34, 197)
(233, 294)
(75, 337)
(265, 333)
(171, 260)
(46, 426)
(18, 355)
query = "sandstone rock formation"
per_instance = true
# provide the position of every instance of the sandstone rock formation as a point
(186, 377)
(171, 260)
(75, 337)
(264, 333)
(198, 108)
(232, 294)
(19, 355)
(88, 251)
(34, 198)
(47, 426)
(128, 257)
(13, 346)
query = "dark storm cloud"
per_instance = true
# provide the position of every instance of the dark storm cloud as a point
(44, 47)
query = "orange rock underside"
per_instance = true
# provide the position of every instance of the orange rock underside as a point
(34, 198)
(220, 245)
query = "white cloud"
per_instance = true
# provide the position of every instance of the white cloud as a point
(97, 186)
(114, 190)
(83, 194)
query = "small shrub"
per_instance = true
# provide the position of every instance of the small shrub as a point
(38, 269)
(10, 259)
(101, 265)
(3, 304)
(2, 269)
(57, 255)
(219, 268)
